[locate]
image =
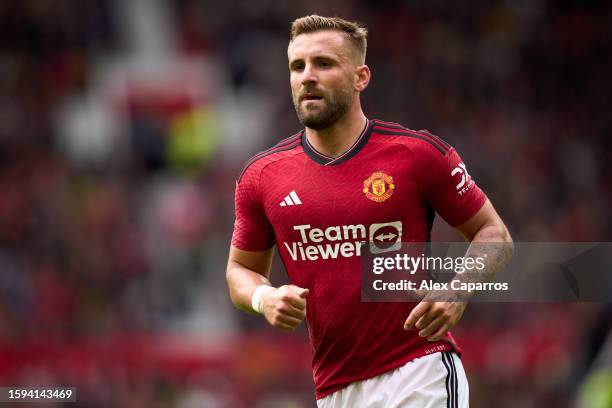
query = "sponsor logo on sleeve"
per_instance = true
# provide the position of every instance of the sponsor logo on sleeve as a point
(465, 180)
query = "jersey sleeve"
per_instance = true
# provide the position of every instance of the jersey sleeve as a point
(252, 230)
(448, 187)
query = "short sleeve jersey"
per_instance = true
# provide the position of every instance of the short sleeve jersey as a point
(318, 210)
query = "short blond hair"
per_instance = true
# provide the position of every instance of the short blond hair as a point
(354, 32)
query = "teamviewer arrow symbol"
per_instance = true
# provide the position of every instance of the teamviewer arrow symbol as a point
(383, 237)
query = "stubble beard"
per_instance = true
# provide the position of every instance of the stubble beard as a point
(332, 110)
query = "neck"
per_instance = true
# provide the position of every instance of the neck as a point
(338, 138)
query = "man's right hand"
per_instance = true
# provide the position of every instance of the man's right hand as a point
(285, 306)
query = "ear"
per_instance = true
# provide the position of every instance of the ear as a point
(362, 77)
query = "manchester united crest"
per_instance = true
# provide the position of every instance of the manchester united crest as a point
(378, 187)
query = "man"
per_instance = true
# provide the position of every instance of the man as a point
(321, 192)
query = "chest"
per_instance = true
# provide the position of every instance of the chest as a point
(308, 202)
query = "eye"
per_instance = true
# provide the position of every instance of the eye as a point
(298, 66)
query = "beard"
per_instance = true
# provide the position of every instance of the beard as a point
(331, 109)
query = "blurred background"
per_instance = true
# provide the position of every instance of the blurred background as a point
(123, 127)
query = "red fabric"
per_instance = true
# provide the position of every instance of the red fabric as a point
(351, 340)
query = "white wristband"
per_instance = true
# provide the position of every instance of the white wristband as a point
(257, 298)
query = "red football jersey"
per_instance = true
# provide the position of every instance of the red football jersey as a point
(318, 210)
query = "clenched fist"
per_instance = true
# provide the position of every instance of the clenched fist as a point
(434, 319)
(285, 306)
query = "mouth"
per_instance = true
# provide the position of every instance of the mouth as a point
(311, 97)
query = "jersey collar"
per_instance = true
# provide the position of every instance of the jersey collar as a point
(325, 160)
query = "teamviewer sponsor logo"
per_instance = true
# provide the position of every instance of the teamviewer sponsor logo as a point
(385, 237)
(343, 240)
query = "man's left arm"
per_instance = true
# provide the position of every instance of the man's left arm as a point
(490, 241)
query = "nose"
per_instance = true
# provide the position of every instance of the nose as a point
(309, 75)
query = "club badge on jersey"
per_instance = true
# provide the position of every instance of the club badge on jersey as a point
(378, 187)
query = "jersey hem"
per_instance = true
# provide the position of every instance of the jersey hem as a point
(446, 346)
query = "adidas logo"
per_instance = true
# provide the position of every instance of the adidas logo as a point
(291, 199)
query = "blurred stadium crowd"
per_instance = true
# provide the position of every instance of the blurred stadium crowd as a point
(124, 125)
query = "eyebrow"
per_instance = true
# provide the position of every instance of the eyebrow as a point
(332, 57)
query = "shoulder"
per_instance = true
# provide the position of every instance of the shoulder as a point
(283, 149)
(418, 141)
